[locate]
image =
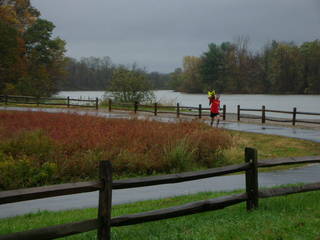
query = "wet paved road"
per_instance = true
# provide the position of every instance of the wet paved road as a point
(224, 183)
(306, 134)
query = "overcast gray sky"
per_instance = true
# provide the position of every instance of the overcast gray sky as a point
(157, 34)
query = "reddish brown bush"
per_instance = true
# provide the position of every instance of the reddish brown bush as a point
(75, 144)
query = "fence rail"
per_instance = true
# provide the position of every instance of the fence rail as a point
(200, 111)
(276, 192)
(156, 108)
(47, 191)
(178, 211)
(179, 177)
(263, 117)
(104, 222)
(68, 102)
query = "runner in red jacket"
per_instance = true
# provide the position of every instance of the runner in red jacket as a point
(214, 109)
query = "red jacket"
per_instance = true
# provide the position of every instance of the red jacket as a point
(215, 105)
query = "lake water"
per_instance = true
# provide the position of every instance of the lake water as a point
(303, 103)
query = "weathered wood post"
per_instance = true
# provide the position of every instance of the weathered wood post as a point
(105, 201)
(252, 187)
(294, 115)
(238, 112)
(224, 110)
(178, 110)
(97, 103)
(135, 107)
(109, 104)
(68, 101)
(38, 101)
(155, 109)
(263, 117)
(200, 111)
(6, 99)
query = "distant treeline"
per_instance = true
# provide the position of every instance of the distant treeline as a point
(93, 73)
(279, 67)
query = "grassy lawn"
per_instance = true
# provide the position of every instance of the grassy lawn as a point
(268, 146)
(291, 217)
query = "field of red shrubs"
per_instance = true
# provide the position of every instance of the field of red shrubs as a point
(38, 148)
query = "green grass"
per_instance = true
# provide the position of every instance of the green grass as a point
(291, 217)
(268, 147)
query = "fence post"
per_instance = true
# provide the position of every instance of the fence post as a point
(294, 116)
(238, 112)
(109, 103)
(200, 110)
(68, 101)
(97, 103)
(263, 117)
(224, 110)
(135, 106)
(155, 109)
(252, 187)
(178, 110)
(38, 101)
(105, 201)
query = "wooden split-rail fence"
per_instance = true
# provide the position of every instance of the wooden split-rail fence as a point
(263, 111)
(157, 109)
(103, 223)
(49, 101)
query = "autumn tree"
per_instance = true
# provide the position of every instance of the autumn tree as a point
(31, 61)
(45, 60)
(265, 66)
(15, 17)
(310, 53)
(176, 79)
(286, 69)
(9, 55)
(191, 75)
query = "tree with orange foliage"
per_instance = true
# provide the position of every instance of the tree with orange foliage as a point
(31, 62)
